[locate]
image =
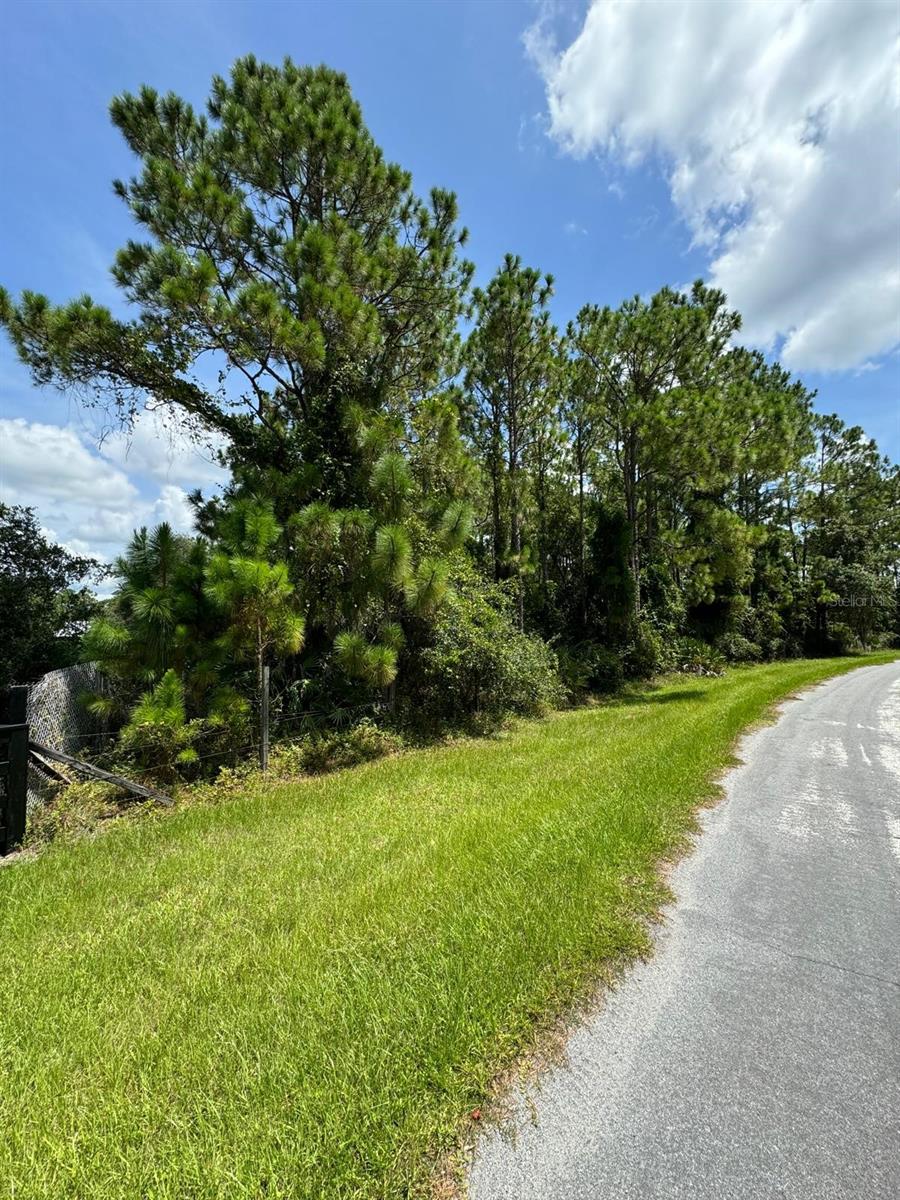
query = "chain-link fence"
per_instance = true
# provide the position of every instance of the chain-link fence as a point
(58, 718)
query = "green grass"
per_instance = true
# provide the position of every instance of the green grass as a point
(300, 992)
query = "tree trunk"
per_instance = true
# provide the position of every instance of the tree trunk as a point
(515, 531)
(582, 585)
(542, 527)
(515, 540)
(632, 515)
(262, 677)
(515, 537)
(497, 520)
(389, 699)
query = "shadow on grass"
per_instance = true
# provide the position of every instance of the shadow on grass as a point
(651, 696)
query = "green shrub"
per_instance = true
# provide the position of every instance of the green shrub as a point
(840, 639)
(159, 739)
(607, 670)
(591, 667)
(763, 625)
(574, 671)
(361, 743)
(476, 662)
(736, 648)
(695, 657)
(885, 641)
(645, 654)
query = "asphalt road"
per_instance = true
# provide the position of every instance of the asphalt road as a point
(757, 1054)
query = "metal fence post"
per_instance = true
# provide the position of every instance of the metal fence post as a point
(13, 767)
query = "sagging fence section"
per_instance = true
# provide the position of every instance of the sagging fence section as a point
(58, 717)
(46, 733)
(49, 736)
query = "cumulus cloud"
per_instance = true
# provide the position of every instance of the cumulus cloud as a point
(53, 462)
(173, 506)
(162, 445)
(776, 124)
(83, 500)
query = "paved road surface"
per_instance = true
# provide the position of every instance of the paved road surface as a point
(757, 1055)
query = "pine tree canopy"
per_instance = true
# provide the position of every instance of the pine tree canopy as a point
(280, 249)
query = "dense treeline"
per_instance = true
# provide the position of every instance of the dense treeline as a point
(45, 604)
(446, 525)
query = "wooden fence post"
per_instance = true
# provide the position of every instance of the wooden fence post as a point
(264, 722)
(13, 767)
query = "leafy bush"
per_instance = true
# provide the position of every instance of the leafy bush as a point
(362, 743)
(574, 671)
(645, 654)
(736, 648)
(840, 639)
(695, 657)
(591, 667)
(607, 671)
(158, 736)
(763, 625)
(477, 662)
(160, 739)
(788, 646)
(885, 641)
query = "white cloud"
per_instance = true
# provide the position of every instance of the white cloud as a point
(532, 135)
(573, 229)
(173, 506)
(776, 123)
(83, 500)
(52, 462)
(165, 447)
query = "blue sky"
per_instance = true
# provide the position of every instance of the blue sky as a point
(541, 120)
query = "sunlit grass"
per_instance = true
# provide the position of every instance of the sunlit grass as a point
(300, 992)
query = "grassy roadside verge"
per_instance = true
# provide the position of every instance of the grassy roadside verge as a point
(301, 992)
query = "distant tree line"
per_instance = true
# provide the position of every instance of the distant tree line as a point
(445, 524)
(46, 603)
